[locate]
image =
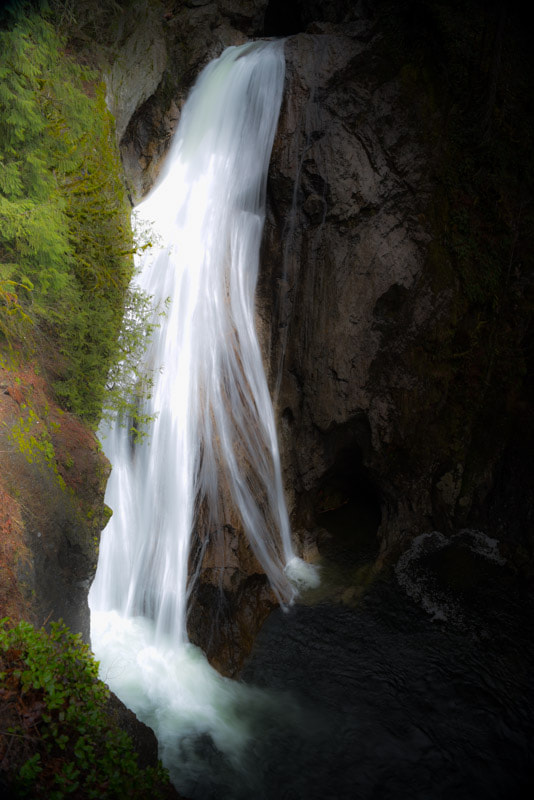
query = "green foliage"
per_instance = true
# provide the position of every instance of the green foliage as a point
(31, 435)
(102, 247)
(57, 739)
(126, 384)
(66, 249)
(34, 243)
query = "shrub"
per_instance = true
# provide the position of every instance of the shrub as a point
(56, 738)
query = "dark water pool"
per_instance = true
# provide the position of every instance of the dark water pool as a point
(379, 699)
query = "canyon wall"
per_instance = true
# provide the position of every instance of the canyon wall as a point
(392, 365)
(395, 356)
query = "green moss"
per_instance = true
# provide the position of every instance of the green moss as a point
(30, 434)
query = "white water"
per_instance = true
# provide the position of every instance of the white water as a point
(212, 455)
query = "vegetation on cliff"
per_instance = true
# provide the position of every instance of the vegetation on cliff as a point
(66, 261)
(57, 739)
(66, 249)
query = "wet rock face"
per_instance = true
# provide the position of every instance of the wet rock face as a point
(345, 248)
(357, 303)
(231, 596)
(224, 620)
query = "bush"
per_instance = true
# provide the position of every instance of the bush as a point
(56, 738)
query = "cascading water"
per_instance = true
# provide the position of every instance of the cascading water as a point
(212, 448)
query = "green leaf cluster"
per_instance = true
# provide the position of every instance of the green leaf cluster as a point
(34, 235)
(59, 740)
(66, 248)
(31, 434)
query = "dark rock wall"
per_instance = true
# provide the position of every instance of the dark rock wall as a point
(374, 348)
(345, 248)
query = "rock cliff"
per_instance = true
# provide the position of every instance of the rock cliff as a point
(393, 302)
(380, 371)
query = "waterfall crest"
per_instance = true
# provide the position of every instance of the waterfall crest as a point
(213, 439)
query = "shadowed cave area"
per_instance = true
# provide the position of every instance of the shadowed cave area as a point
(347, 512)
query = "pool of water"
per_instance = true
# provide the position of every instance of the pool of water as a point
(413, 682)
(373, 695)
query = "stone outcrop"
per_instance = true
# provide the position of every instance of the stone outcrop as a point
(136, 71)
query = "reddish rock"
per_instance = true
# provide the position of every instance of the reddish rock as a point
(51, 491)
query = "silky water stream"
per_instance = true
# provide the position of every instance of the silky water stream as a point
(213, 434)
(414, 684)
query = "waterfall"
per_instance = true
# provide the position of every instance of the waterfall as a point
(213, 441)
(211, 454)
